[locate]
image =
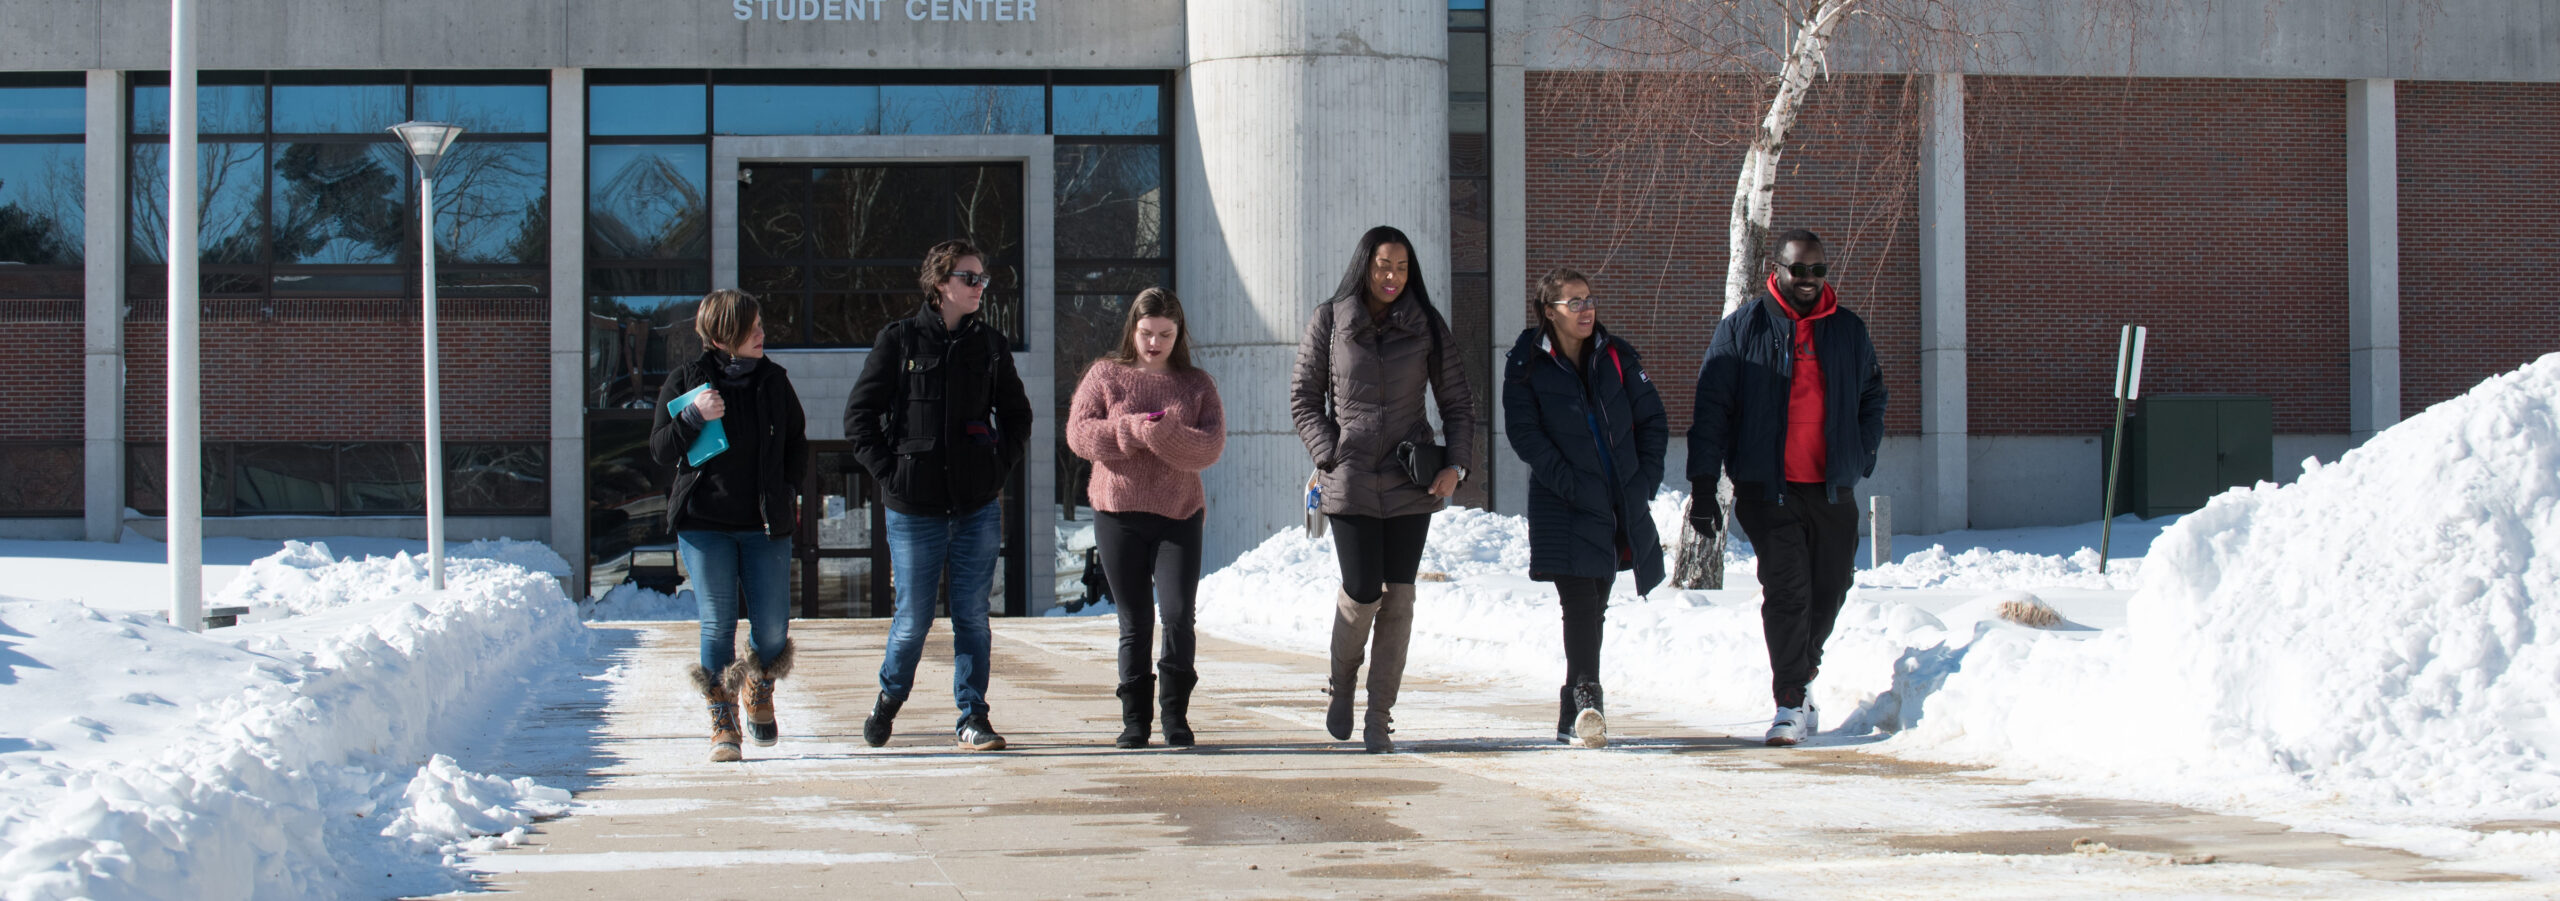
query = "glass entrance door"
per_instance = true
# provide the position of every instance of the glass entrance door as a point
(831, 251)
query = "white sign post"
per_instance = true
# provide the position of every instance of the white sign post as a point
(2128, 387)
(184, 484)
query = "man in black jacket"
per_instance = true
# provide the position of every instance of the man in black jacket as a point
(940, 420)
(1790, 405)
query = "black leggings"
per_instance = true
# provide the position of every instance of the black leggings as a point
(1586, 610)
(1378, 551)
(1152, 561)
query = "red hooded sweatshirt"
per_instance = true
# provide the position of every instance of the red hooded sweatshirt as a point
(1807, 452)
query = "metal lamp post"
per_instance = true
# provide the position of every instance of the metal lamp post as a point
(427, 143)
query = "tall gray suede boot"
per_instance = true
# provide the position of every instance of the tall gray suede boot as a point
(1386, 666)
(1351, 625)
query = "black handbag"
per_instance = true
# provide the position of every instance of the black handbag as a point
(1422, 462)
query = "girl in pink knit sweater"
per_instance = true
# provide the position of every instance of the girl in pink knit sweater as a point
(1150, 422)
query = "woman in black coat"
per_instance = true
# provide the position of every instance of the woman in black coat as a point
(1584, 416)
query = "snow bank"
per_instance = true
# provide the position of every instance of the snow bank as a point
(286, 759)
(628, 602)
(2383, 634)
(305, 577)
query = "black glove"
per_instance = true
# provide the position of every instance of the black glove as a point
(1705, 515)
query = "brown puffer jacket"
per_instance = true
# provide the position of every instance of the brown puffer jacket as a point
(1357, 393)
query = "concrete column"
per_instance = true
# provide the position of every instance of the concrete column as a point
(102, 332)
(1510, 234)
(2373, 256)
(1945, 501)
(568, 323)
(1301, 125)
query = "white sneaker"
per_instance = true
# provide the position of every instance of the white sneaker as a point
(1793, 724)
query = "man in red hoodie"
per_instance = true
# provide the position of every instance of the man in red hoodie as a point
(1790, 405)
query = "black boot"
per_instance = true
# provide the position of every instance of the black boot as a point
(1590, 726)
(1176, 697)
(1564, 714)
(875, 728)
(1134, 713)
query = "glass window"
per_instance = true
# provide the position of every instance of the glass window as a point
(1110, 201)
(626, 493)
(987, 109)
(492, 203)
(340, 203)
(221, 109)
(486, 108)
(43, 111)
(795, 109)
(497, 478)
(1106, 110)
(645, 109)
(353, 109)
(633, 340)
(41, 190)
(229, 215)
(648, 202)
(41, 479)
(146, 477)
(284, 478)
(382, 477)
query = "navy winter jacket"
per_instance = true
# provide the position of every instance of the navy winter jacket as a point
(1561, 422)
(1741, 421)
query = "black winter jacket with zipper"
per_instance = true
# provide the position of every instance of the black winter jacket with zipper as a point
(1740, 425)
(779, 444)
(938, 415)
(1575, 515)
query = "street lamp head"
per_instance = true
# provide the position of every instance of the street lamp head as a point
(427, 141)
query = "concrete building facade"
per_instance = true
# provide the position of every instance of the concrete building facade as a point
(2341, 207)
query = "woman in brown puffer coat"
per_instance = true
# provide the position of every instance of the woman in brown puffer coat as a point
(1368, 354)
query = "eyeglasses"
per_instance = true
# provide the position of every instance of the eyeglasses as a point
(971, 278)
(1577, 304)
(1806, 270)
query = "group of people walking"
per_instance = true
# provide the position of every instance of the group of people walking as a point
(1789, 405)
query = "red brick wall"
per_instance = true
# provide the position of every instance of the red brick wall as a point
(350, 371)
(2211, 211)
(1637, 195)
(2479, 233)
(41, 385)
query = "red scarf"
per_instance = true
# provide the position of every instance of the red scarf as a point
(1808, 451)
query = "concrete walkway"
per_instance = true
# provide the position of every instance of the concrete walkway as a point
(1480, 803)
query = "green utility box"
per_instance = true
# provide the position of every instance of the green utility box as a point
(2182, 449)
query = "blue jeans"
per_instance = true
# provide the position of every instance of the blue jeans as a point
(733, 573)
(923, 551)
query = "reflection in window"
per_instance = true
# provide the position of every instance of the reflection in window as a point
(645, 109)
(796, 109)
(960, 110)
(626, 492)
(340, 203)
(43, 111)
(632, 341)
(41, 478)
(229, 216)
(497, 478)
(492, 203)
(41, 190)
(383, 478)
(1105, 110)
(284, 478)
(647, 202)
(221, 109)
(486, 108)
(355, 109)
(1110, 201)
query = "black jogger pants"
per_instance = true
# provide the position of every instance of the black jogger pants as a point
(1378, 551)
(1586, 610)
(1808, 549)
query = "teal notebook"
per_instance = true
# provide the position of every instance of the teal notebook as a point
(714, 437)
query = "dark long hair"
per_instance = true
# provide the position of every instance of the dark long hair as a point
(1355, 280)
(1160, 303)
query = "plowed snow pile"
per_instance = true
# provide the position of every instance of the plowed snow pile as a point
(2384, 633)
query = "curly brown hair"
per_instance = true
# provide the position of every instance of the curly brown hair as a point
(938, 263)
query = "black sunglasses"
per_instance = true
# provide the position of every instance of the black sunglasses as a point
(1807, 270)
(972, 279)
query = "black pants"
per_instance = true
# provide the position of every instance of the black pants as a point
(1808, 547)
(1378, 551)
(1586, 609)
(1152, 561)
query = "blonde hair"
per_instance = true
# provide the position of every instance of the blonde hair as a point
(725, 317)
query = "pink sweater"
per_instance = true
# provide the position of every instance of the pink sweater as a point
(1143, 466)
